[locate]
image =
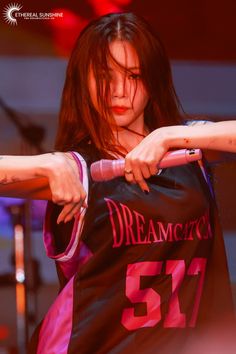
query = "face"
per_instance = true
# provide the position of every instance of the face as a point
(128, 97)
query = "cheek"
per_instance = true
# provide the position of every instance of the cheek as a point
(141, 98)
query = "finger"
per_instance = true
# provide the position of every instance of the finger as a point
(135, 174)
(68, 212)
(71, 215)
(146, 171)
(138, 177)
(69, 195)
(64, 217)
(128, 173)
(149, 167)
(153, 169)
(63, 213)
(129, 176)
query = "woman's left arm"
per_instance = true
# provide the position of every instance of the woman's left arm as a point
(144, 158)
(216, 136)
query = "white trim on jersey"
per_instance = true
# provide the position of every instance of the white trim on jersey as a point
(78, 226)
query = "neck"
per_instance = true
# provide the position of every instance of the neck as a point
(129, 138)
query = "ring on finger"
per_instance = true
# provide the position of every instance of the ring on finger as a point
(128, 171)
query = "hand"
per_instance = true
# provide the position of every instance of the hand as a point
(142, 162)
(65, 184)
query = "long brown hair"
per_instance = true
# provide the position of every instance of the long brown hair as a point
(78, 119)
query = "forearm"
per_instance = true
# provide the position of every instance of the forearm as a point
(51, 176)
(145, 157)
(22, 168)
(216, 136)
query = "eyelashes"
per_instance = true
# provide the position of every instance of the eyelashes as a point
(134, 76)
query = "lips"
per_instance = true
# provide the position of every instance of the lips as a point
(119, 109)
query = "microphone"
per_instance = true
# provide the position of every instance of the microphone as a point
(105, 170)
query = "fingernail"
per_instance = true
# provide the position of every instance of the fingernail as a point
(67, 219)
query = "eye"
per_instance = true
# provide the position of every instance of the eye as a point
(134, 76)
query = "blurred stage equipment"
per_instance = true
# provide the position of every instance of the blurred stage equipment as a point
(33, 134)
(20, 278)
(27, 278)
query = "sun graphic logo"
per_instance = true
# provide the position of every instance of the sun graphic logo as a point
(8, 13)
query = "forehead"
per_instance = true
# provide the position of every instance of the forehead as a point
(124, 54)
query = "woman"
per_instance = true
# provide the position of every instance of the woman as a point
(143, 269)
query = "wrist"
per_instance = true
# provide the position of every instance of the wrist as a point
(177, 137)
(169, 137)
(46, 165)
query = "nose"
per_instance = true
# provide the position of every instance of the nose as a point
(118, 86)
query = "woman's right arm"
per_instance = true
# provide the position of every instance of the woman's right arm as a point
(50, 176)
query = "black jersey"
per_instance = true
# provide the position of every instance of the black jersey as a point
(140, 272)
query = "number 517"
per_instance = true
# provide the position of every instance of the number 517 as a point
(173, 317)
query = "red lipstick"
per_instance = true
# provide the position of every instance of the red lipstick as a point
(119, 109)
